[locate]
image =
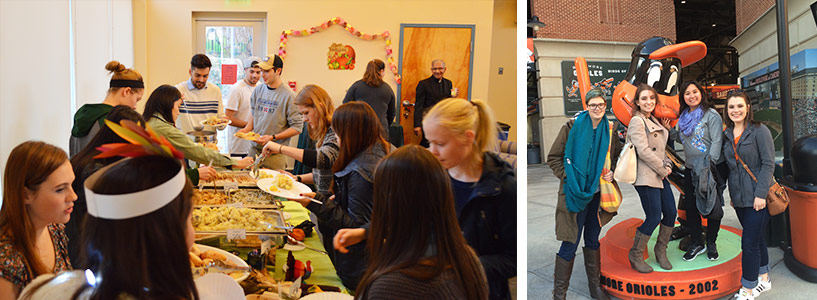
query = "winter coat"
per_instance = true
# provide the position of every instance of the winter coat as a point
(566, 228)
(756, 148)
(488, 222)
(650, 145)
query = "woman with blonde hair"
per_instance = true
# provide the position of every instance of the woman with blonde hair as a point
(375, 92)
(461, 135)
(314, 104)
(37, 201)
(125, 88)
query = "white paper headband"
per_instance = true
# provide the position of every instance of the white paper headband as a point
(125, 206)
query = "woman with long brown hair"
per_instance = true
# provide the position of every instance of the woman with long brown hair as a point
(376, 92)
(126, 88)
(410, 259)
(37, 201)
(361, 147)
(314, 104)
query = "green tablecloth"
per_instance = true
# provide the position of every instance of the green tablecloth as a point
(323, 272)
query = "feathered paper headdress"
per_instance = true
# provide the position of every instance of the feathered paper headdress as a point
(144, 141)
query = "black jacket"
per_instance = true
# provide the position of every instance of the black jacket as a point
(488, 222)
(352, 208)
(429, 93)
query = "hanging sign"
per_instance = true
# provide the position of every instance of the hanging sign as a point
(229, 74)
(341, 57)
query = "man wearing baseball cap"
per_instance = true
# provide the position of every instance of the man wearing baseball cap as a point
(237, 108)
(274, 115)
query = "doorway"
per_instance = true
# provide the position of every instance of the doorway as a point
(419, 45)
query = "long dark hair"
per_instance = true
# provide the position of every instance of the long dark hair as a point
(705, 103)
(28, 166)
(105, 136)
(399, 243)
(145, 256)
(161, 101)
(372, 76)
(358, 128)
(750, 118)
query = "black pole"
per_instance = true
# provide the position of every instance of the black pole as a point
(785, 83)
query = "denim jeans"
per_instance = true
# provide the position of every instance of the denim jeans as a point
(656, 202)
(755, 258)
(588, 220)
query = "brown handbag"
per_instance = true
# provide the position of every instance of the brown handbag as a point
(777, 200)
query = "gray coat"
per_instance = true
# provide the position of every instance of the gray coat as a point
(756, 148)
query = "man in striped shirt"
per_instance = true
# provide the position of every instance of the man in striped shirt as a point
(202, 99)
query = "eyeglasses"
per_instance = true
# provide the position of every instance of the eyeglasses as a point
(597, 106)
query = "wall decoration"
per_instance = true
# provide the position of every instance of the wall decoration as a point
(341, 57)
(229, 74)
(282, 52)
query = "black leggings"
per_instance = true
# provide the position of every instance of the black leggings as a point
(693, 220)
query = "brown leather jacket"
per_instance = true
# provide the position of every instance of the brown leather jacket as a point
(566, 228)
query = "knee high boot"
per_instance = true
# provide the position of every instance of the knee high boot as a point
(660, 249)
(592, 265)
(636, 255)
(561, 277)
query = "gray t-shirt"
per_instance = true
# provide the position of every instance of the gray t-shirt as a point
(273, 111)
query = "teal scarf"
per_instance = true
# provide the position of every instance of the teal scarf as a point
(585, 151)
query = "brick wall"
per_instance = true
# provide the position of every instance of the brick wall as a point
(605, 20)
(747, 11)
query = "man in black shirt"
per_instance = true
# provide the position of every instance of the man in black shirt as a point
(430, 91)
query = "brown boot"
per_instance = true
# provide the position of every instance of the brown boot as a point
(660, 249)
(561, 277)
(592, 265)
(637, 253)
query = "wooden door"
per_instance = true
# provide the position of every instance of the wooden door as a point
(422, 43)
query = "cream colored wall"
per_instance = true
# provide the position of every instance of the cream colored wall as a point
(551, 54)
(164, 43)
(502, 88)
(757, 45)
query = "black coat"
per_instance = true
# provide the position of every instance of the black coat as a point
(429, 93)
(488, 222)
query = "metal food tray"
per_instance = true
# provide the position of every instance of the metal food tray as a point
(221, 183)
(278, 219)
(276, 204)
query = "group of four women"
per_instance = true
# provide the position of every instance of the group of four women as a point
(706, 141)
(374, 186)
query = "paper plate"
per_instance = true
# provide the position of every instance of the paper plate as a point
(231, 257)
(328, 296)
(295, 193)
(292, 247)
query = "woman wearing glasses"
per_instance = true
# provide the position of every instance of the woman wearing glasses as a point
(699, 129)
(650, 139)
(749, 142)
(578, 206)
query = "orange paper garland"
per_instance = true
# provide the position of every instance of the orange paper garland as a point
(282, 52)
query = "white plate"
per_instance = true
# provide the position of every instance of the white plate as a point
(297, 188)
(328, 296)
(292, 247)
(220, 127)
(230, 257)
(265, 171)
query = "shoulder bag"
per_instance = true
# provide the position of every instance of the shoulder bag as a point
(627, 165)
(777, 200)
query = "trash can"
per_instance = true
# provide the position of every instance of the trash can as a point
(504, 129)
(801, 187)
(534, 154)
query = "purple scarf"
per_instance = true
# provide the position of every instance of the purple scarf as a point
(689, 120)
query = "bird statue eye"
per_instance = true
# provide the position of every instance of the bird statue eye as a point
(673, 78)
(654, 74)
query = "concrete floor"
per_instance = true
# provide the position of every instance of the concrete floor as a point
(542, 244)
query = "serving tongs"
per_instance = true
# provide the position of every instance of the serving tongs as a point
(256, 165)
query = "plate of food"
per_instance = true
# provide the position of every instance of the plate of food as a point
(218, 123)
(328, 296)
(283, 186)
(266, 173)
(201, 255)
(250, 136)
(209, 145)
